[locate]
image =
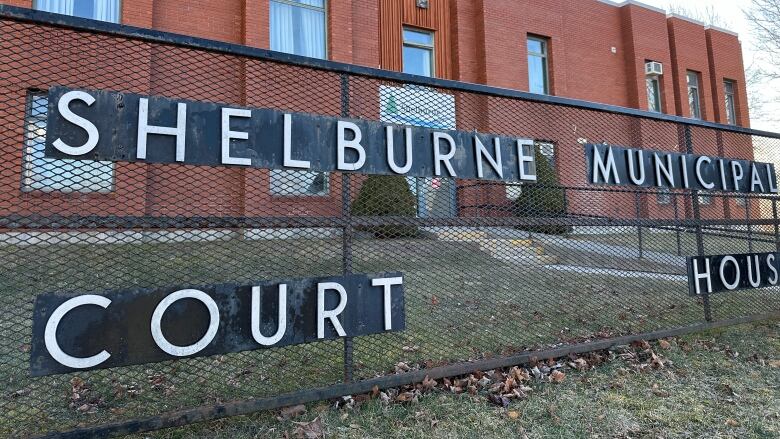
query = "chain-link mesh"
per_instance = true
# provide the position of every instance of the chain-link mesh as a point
(490, 269)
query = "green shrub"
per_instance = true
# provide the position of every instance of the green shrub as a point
(545, 198)
(386, 195)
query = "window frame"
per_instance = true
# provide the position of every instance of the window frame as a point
(656, 82)
(118, 6)
(704, 198)
(28, 185)
(325, 10)
(431, 47)
(697, 89)
(730, 101)
(664, 197)
(544, 55)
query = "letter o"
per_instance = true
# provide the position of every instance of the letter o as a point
(729, 286)
(183, 351)
(50, 333)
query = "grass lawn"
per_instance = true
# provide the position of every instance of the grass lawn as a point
(461, 304)
(718, 384)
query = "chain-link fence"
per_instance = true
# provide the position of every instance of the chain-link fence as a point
(494, 273)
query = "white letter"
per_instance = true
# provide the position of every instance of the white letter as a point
(352, 144)
(482, 153)
(606, 171)
(770, 261)
(631, 168)
(723, 174)
(387, 283)
(391, 155)
(736, 177)
(755, 179)
(684, 165)
(227, 113)
(751, 268)
(771, 178)
(281, 325)
(332, 314)
(144, 129)
(183, 351)
(50, 333)
(665, 170)
(288, 161)
(699, 177)
(92, 133)
(438, 158)
(729, 286)
(705, 275)
(522, 159)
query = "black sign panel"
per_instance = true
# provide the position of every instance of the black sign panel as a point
(100, 330)
(615, 165)
(125, 127)
(714, 274)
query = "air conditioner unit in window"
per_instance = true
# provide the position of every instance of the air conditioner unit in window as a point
(653, 68)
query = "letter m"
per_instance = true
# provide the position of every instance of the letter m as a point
(606, 170)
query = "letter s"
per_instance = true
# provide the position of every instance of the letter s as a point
(92, 133)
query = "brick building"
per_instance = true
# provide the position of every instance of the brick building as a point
(624, 54)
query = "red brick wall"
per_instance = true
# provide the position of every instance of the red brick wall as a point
(477, 41)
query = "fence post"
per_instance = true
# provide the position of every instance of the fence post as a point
(677, 218)
(697, 220)
(777, 226)
(638, 202)
(346, 236)
(749, 226)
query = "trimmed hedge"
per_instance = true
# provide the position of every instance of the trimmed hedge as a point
(542, 199)
(386, 195)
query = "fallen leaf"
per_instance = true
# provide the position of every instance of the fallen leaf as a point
(428, 383)
(664, 344)
(499, 400)
(732, 423)
(557, 376)
(513, 414)
(405, 397)
(310, 430)
(434, 300)
(775, 363)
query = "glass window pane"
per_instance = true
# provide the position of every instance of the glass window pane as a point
(536, 46)
(417, 61)
(298, 30)
(418, 37)
(284, 182)
(537, 74)
(653, 95)
(104, 10)
(51, 175)
(315, 3)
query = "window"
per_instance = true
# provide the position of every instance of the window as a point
(741, 201)
(103, 10)
(418, 52)
(653, 94)
(705, 199)
(538, 75)
(694, 100)
(731, 108)
(664, 196)
(548, 151)
(298, 27)
(52, 175)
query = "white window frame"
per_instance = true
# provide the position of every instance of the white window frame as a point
(544, 55)
(429, 47)
(731, 105)
(323, 9)
(36, 7)
(664, 197)
(694, 94)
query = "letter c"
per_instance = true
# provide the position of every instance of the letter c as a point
(50, 333)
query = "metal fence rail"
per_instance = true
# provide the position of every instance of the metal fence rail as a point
(494, 273)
